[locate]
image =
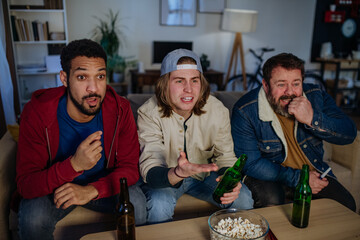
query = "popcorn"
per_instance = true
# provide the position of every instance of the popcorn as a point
(238, 228)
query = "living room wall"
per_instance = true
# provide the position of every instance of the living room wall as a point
(285, 25)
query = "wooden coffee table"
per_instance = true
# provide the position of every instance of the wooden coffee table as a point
(328, 220)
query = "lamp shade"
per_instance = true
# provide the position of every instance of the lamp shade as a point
(237, 20)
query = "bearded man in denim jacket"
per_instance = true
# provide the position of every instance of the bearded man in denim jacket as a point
(281, 126)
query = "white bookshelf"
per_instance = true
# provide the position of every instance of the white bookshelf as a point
(30, 52)
(40, 42)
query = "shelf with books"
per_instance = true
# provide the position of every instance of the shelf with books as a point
(42, 42)
(38, 73)
(38, 32)
(23, 10)
(35, 4)
(38, 26)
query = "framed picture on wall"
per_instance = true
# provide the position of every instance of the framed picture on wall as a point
(211, 6)
(178, 13)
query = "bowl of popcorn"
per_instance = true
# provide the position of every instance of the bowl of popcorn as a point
(230, 224)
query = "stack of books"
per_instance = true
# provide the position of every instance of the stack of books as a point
(27, 30)
(53, 4)
(48, 4)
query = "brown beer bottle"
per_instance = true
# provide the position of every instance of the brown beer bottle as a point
(125, 224)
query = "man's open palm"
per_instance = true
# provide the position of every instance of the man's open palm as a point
(187, 169)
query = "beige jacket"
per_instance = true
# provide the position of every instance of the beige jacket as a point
(208, 137)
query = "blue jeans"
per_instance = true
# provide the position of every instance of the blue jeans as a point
(161, 201)
(38, 216)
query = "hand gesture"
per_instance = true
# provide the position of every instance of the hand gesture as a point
(73, 194)
(186, 168)
(316, 183)
(231, 196)
(301, 109)
(88, 153)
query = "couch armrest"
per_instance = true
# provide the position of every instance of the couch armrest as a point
(7, 180)
(348, 156)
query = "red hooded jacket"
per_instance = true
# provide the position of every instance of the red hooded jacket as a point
(39, 140)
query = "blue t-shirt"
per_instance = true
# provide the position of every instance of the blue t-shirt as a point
(72, 133)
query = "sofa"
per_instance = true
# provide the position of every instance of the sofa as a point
(345, 161)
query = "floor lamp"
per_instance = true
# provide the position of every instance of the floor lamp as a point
(238, 21)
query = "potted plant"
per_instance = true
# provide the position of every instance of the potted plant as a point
(205, 63)
(118, 66)
(111, 38)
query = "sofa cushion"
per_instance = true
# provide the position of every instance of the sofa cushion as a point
(14, 131)
(190, 207)
(327, 151)
(7, 180)
(344, 154)
(345, 162)
(342, 173)
(136, 100)
(228, 98)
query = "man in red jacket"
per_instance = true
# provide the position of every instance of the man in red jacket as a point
(75, 143)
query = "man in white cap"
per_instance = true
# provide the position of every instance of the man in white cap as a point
(185, 140)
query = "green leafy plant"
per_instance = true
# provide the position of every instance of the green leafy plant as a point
(109, 35)
(116, 63)
(205, 63)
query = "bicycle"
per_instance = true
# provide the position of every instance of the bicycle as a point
(254, 80)
(313, 76)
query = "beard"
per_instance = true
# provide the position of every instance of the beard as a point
(93, 110)
(283, 111)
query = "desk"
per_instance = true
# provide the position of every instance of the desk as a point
(138, 80)
(339, 68)
(216, 77)
(328, 220)
(149, 77)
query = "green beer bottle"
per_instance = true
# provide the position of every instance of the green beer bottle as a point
(230, 179)
(125, 224)
(302, 200)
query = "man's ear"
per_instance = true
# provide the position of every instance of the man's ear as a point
(265, 86)
(63, 78)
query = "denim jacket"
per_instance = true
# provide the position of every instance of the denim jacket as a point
(257, 132)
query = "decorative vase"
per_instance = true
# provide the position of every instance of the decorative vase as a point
(118, 77)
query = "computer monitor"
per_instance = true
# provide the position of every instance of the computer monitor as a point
(161, 48)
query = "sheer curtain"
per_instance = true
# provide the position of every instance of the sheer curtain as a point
(6, 86)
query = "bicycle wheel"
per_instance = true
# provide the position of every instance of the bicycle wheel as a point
(315, 79)
(235, 83)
